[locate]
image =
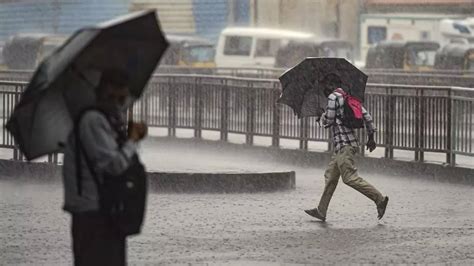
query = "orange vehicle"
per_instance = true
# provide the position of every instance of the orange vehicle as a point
(409, 56)
(455, 57)
(26, 51)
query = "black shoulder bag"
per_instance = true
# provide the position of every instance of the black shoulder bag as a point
(122, 198)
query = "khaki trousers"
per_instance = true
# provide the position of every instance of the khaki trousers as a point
(342, 164)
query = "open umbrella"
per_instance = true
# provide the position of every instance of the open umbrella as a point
(64, 83)
(301, 89)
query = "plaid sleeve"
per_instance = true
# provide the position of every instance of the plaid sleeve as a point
(331, 110)
(369, 122)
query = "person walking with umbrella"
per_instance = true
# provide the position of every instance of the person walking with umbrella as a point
(338, 87)
(345, 147)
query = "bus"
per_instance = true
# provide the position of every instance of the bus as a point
(443, 29)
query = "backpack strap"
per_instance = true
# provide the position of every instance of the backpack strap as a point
(344, 96)
(342, 92)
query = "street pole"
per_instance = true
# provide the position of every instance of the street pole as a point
(338, 19)
(231, 14)
(255, 12)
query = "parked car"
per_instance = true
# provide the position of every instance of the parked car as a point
(295, 51)
(253, 47)
(190, 51)
(26, 51)
(455, 57)
(411, 56)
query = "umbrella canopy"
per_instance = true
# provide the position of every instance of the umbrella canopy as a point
(65, 82)
(301, 84)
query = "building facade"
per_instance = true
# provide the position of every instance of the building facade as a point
(205, 18)
(55, 16)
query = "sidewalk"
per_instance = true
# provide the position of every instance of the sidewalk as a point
(426, 221)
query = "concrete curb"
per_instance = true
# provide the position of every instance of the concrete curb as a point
(167, 181)
(221, 182)
(23, 171)
(396, 168)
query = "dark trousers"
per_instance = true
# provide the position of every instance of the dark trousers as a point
(95, 242)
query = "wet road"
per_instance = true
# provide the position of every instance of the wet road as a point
(426, 222)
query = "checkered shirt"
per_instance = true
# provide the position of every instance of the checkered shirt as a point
(342, 135)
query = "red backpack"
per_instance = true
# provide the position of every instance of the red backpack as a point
(352, 111)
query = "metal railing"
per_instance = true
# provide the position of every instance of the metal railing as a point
(9, 96)
(385, 76)
(414, 118)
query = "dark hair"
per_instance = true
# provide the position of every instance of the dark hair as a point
(114, 77)
(332, 79)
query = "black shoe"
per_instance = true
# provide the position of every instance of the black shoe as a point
(381, 207)
(315, 213)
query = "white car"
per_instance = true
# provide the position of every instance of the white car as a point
(253, 47)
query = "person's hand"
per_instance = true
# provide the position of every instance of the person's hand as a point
(322, 118)
(371, 145)
(137, 131)
(319, 112)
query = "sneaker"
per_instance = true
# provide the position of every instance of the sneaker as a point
(381, 207)
(315, 213)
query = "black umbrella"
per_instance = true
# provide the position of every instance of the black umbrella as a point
(65, 82)
(301, 89)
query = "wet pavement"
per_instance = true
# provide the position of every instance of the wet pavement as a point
(426, 222)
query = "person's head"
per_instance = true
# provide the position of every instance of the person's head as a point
(113, 88)
(329, 83)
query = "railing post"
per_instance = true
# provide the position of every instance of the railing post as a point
(304, 129)
(422, 114)
(171, 109)
(15, 153)
(198, 108)
(276, 120)
(450, 155)
(54, 158)
(17, 156)
(417, 125)
(224, 111)
(144, 108)
(251, 94)
(389, 123)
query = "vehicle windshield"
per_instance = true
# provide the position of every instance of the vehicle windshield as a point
(198, 54)
(419, 57)
(470, 62)
(342, 52)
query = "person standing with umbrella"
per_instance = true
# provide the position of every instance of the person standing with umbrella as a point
(75, 103)
(344, 113)
(99, 148)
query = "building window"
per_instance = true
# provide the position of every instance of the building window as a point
(425, 36)
(376, 34)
